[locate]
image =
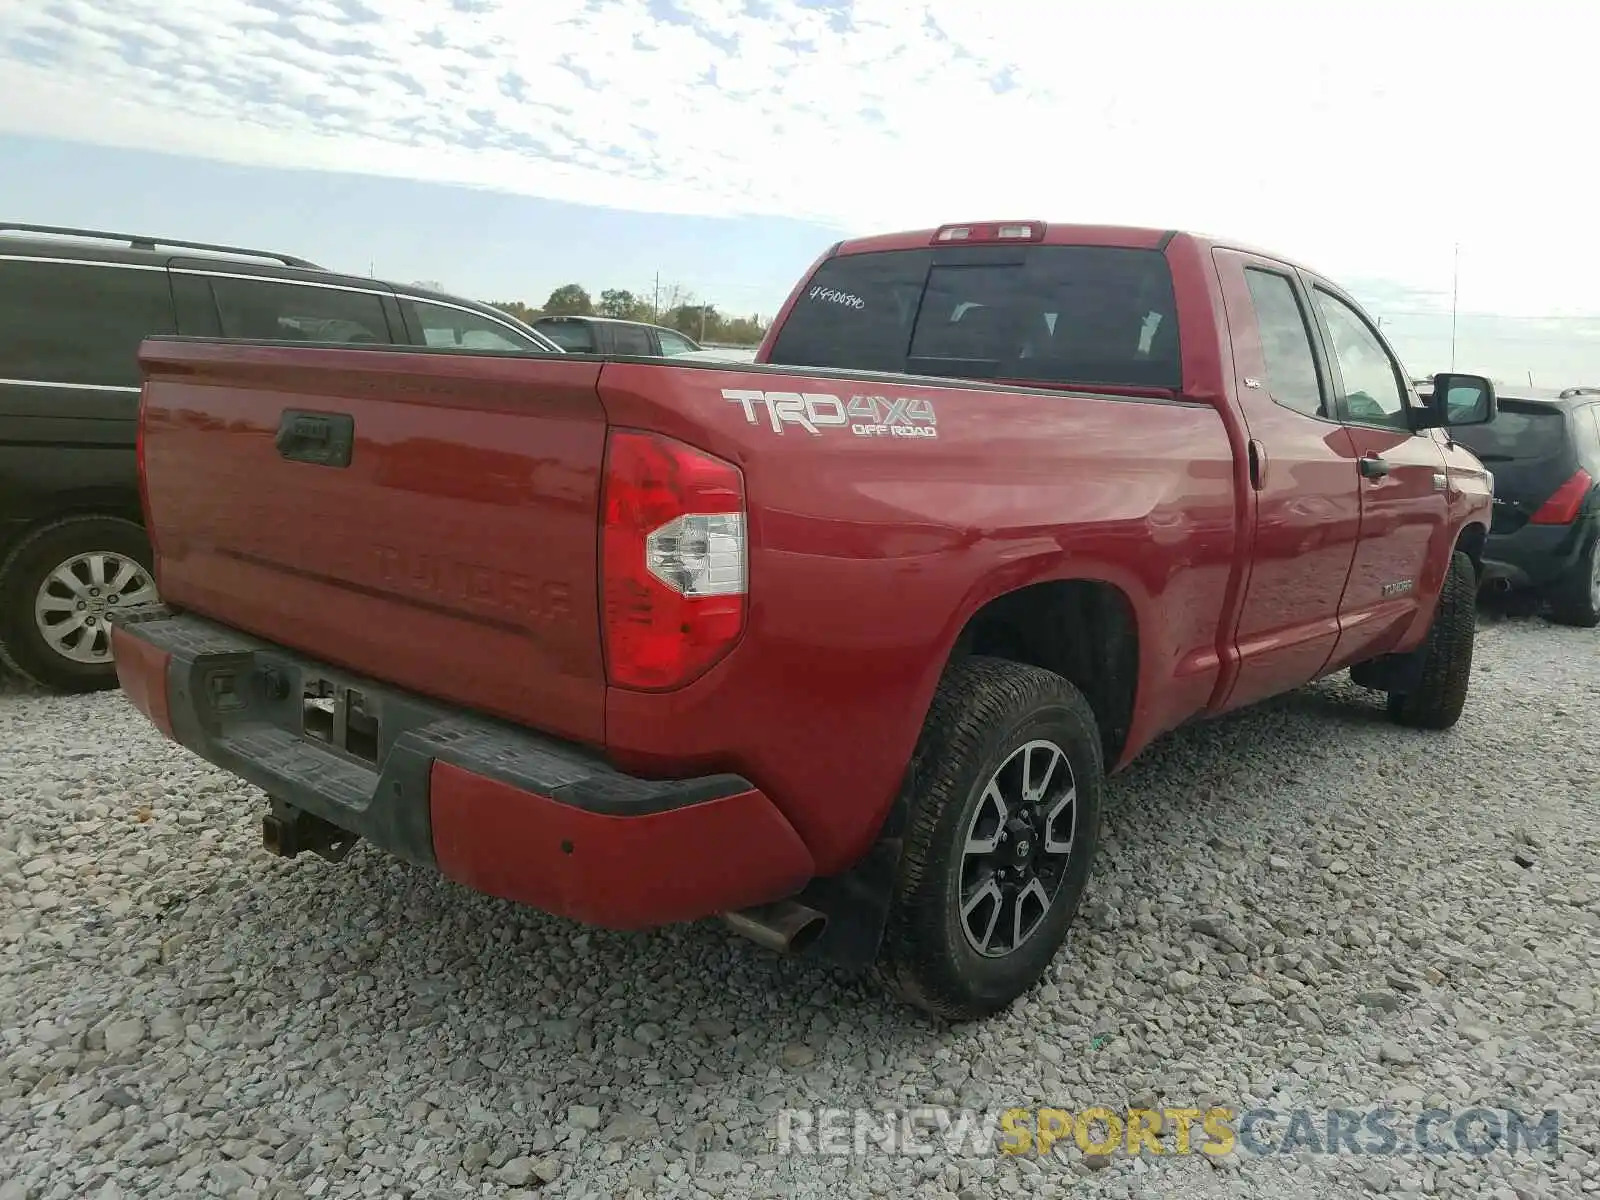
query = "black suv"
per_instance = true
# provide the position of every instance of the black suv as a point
(1544, 452)
(74, 306)
(612, 335)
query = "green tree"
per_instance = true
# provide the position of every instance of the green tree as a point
(742, 331)
(700, 321)
(517, 309)
(569, 299)
(622, 304)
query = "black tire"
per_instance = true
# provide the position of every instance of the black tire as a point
(23, 647)
(1576, 599)
(1436, 703)
(985, 712)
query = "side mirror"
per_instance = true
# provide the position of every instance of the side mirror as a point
(1460, 400)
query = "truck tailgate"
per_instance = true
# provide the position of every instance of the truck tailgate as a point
(400, 514)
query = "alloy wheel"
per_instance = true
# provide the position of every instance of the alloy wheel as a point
(1016, 848)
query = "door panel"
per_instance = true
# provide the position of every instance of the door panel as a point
(1307, 511)
(1399, 563)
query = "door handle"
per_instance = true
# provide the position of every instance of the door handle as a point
(1257, 454)
(1373, 467)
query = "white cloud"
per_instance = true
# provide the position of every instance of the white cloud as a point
(1364, 138)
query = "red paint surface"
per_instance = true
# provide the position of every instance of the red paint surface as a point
(866, 555)
(142, 675)
(616, 872)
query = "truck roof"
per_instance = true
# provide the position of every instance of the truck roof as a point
(1063, 233)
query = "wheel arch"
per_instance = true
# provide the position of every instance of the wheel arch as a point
(1471, 541)
(115, 502)
(1085, 630)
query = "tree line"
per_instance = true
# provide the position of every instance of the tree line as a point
(702, 322)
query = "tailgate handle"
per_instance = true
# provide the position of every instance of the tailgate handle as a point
(321, 438)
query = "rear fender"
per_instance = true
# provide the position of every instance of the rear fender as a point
(857, 901)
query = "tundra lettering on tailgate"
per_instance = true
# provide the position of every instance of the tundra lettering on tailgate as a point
(436, 578)
(866, 416)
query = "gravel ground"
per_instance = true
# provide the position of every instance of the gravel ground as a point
(1299, 906)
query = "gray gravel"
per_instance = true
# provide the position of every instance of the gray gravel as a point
(1300, 906)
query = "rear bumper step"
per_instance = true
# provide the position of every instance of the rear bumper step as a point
(500, 809)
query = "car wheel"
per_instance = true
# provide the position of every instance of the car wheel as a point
(57, 588)
(1436, 702)
(1000, 835)
(1577, 600)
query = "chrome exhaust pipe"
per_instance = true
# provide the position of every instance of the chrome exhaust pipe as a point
(786, 927)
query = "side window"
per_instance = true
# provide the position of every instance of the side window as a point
(1588, 423)
(442, 326)
(631, 339)
(267, 310)
(1372, 393)
(196, 306)
(1285, 343)
(672, 344)
(78, 324)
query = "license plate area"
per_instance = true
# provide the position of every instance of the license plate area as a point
(340, 716)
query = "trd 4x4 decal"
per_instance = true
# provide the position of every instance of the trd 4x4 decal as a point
(865, 416)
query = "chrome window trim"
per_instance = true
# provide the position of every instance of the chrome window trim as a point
(76, 387)
(473, 312)
(329, 287)
(79, 262)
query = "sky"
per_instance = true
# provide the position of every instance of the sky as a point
(503, 147)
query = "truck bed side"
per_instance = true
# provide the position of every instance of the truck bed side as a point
(869, 555)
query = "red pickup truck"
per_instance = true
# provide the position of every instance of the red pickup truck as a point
(838, 646)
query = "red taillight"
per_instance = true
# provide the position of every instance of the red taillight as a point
(672, 569)
(993, 231)
(1564, 506)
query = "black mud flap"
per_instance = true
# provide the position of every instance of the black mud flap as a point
(1396, 673)
(856, 904)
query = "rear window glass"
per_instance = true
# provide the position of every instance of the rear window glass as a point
(572, 336)
(1059, 314)
(1518, 433)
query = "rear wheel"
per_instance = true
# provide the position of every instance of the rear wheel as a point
(1576, 599)
(1441, 692)
(58, 586)
(1000, 836)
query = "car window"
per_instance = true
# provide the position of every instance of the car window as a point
(1520, 432)
(1588, 430)
(79, 324)
(575, 337)
(673, 344)
(442, 325)
(1285, 343)
(1372, 393)
(631, 339)
(1064, 314)
(267, 310)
